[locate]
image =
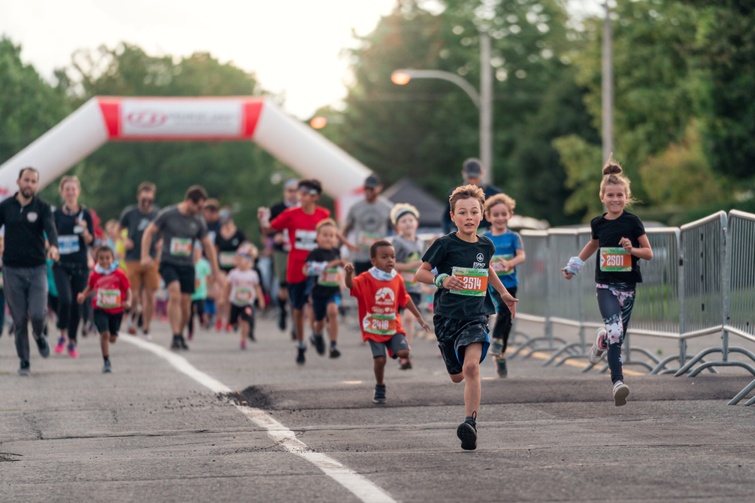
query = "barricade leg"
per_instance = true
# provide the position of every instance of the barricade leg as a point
(743, 394)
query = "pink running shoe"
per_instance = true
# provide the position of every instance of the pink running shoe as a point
(72, 351)
(243, 344)
(61, 345)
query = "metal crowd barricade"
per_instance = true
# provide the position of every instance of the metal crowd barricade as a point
(740, 318)
(706, 280)
(533, 290)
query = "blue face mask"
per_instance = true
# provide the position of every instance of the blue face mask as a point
(99, 270)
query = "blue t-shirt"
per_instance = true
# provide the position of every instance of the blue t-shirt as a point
(506, 245)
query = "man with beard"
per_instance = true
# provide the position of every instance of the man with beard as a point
(180, 226)
(27, 219)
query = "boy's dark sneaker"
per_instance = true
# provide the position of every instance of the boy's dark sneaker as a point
(44, 347)
(318, 342)
(334, 352)
(378, 396)
(501, 368)
(23, 369)
(182, 342)
(404, 364)
(107, 368)
(467, 433)
(300, 359)
(176, 344)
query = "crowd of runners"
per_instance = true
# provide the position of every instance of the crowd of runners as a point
(189, 264)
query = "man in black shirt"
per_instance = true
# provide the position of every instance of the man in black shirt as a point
(27, 218)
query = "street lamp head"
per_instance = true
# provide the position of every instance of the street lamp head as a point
(318, 122)
(400, 77)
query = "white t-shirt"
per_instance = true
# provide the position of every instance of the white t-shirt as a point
(243, 286)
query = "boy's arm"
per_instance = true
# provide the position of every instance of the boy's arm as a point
(424, 275)
(400, 266)
(508, 299)
(348, 280)
(80, 298)
(129, 299)
(519, 258)
(412, 307)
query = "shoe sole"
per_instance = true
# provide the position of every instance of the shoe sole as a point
(378, 401)
(620, 397)
(468, 436)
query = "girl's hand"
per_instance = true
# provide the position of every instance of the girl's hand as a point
(626, 244)
(567, 275)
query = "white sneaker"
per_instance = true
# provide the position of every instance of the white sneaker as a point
(599, 346)
(620, 393)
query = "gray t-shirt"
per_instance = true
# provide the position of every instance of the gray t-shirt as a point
(370, 223)
(409, 251)
(179, 232)
(134, 221)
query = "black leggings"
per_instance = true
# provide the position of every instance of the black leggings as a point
(503, 323)
(615, 303)
(70, 280)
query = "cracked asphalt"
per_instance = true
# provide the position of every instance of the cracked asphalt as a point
(148, 432)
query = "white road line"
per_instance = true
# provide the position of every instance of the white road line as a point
(362, 488)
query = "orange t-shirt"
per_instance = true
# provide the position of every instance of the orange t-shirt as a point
(378, 303)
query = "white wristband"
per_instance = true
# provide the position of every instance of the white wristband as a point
(574, 266)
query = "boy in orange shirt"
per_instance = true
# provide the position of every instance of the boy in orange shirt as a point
(380, 292)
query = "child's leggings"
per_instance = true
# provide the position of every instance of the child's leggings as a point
(615, 302)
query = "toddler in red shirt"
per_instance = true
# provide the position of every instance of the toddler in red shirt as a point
(112, 294)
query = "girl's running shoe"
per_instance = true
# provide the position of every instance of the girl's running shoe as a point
(61, 345)
(72, 351)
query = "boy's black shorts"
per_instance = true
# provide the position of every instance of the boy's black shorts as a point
(107, 322)
(455, 335)
(246, 313)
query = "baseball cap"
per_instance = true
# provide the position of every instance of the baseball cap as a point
(472, 168)
(372, 181)
(291, 183)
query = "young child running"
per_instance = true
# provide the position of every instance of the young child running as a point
(324, 263)
(409, 248)
(462, 304)
(620, 238)
(509, 253)
(112, 294)
(202, 271)
(380, 292)
(241, 292)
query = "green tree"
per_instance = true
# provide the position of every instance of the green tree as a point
(29, 106)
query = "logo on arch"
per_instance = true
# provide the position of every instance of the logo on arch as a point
(146, 118)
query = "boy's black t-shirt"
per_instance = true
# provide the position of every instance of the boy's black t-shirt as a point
(330, 286)
(448, 252)
(609, 233)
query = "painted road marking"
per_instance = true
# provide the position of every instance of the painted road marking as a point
(358, 485)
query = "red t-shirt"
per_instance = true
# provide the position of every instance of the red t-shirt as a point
(110, 290)
(301, 234)
(378, 303)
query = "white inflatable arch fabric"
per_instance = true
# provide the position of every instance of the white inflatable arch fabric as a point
(103, 119)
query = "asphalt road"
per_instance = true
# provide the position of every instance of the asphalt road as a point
(219, 424)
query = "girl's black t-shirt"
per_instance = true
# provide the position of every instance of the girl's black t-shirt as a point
(325, 284)
(71, 245)
(471, 262)
(612, 264)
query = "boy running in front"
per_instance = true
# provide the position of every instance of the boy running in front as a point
(112, 294)
(380, 292)
(462, 304)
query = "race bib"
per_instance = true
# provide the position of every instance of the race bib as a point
(226, 258)
(180, 247)
(408, 277)
(243, 296)
(497, 264)
(330, 277)
(68, 244)
(108, 299)
(379, 324)
(366, 239)
(615, 260)
(475, 281)
(305, 240)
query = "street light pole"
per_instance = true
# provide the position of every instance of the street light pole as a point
(607, 85)
(483, 99)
